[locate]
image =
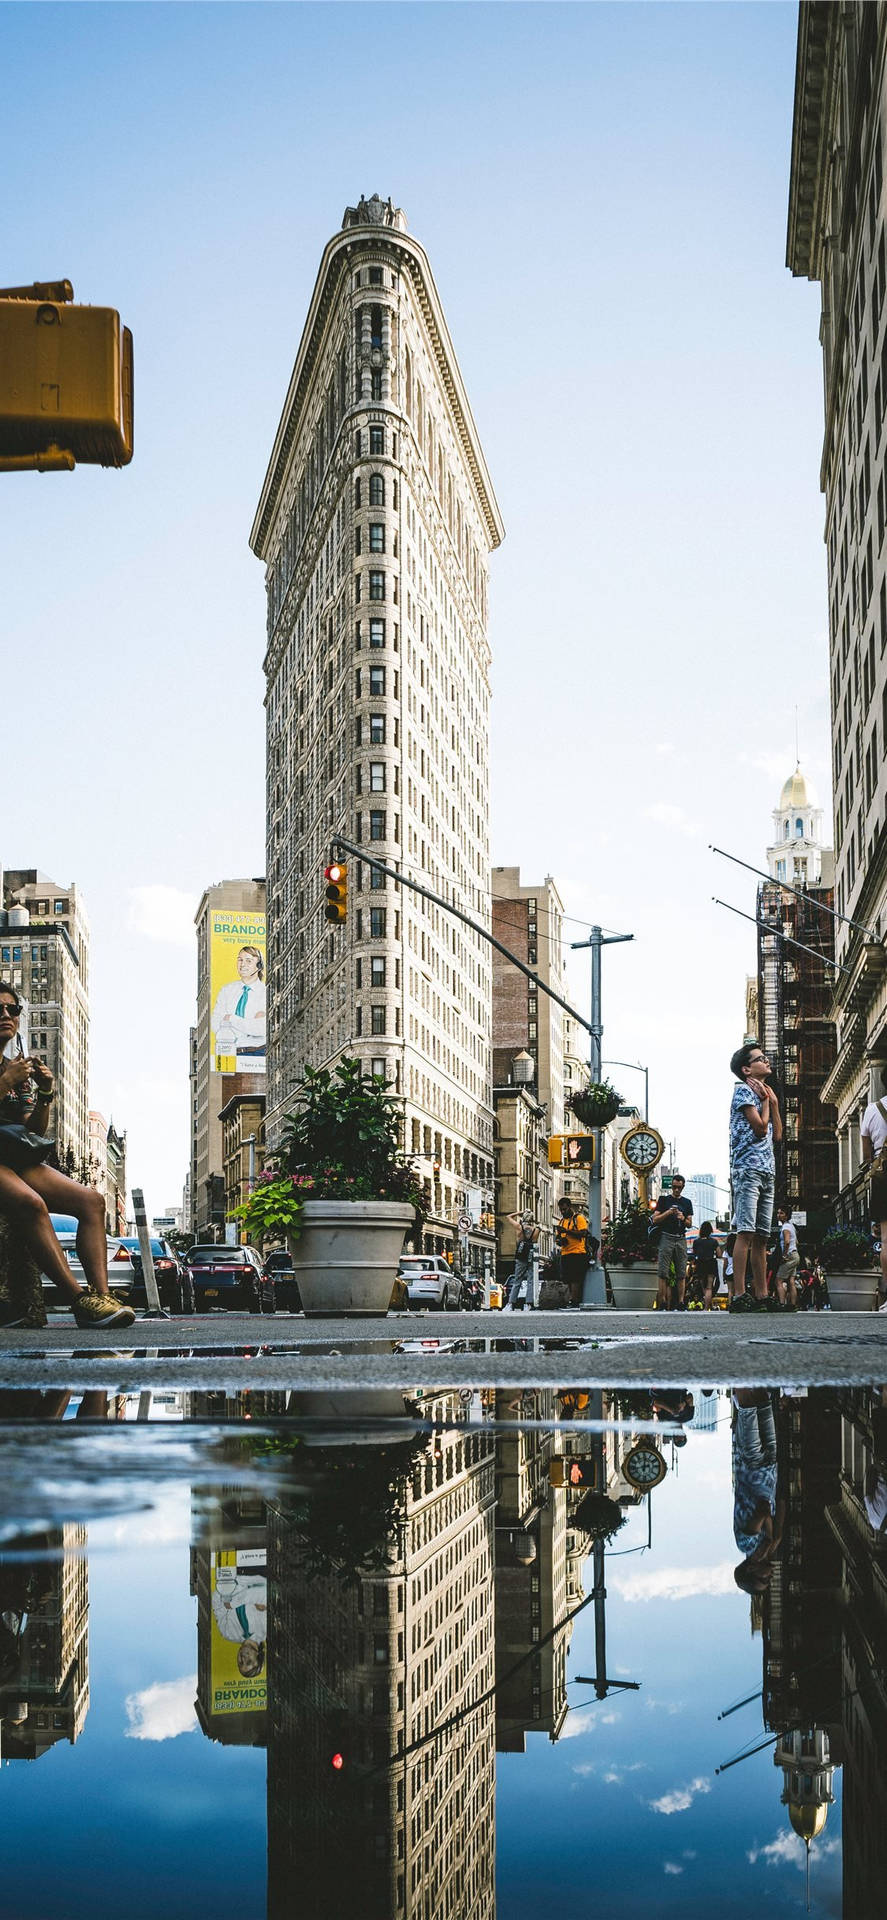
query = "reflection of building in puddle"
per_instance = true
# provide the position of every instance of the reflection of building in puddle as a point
(381, 1764)
(531, 1577)
(44, 1644)
(857, 1521)
(228, 1579)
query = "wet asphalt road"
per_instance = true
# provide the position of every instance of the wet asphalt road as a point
(232, 1352)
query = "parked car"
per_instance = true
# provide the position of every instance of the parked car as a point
(174, 1283)
(430, 1280)
(65, 1230)
(280, 1286)
(225, 1277)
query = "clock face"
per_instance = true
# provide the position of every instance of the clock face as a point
(642, 1149)
(644, 1466)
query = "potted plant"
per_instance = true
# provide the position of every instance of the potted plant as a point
(849, 1263)
(350, 1195)
(627, 1256)
(595, 1105)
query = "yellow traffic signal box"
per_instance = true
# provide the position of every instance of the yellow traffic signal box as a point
(571, 1150)
(336, 877)
(66, 383)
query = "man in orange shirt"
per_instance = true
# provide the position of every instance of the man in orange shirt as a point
(570, 1233)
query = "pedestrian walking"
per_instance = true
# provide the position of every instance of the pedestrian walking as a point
(873, 1133)
(755, 1122)
(788, 1259)
(521, 1280)
(705, 1261)
(570, 1234)
(672, 1217)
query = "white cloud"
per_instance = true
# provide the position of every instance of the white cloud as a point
(163, 1711)
(664, 814)
(788, 1846)
(574, 1727)
(671, 1866)
(681, 1798)
(674, 1583)
(664, 746)
(165, 914)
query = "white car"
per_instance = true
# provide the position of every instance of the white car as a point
(430, 1280)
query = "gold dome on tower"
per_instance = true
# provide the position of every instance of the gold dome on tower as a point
(797, 792)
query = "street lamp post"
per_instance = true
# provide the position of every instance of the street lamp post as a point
(636, 1067)
(598, 940)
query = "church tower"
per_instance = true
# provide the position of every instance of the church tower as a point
(796, 854)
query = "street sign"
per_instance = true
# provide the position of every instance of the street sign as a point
(464, 1223)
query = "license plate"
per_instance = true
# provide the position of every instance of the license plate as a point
(210, 1293)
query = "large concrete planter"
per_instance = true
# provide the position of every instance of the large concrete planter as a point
(346, 1259)
(853, 1292)
(634, 1287)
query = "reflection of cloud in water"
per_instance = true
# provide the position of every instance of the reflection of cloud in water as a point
(162, 1711)
(674, 1583)
(582, 1720)
(681, 1798)
(788, 1846)
(671, 1866)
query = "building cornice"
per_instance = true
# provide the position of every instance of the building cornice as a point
(338, 258)
(809, 156)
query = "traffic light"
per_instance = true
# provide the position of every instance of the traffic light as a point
(571, 1471)
(336, 877)
(66, 381)
(571, 1150)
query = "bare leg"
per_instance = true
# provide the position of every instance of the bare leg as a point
(758, 1259)
(741, 1252)
(883, 1286)
(29, 1214)
(62, 1195)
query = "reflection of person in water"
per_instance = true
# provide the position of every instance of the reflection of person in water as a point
(239, 1014)
(240, 1611)
(758, 1512)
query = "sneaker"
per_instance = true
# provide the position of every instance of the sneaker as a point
(9, 1317)
(101, 1310)
(742, 1303)
(882, 1308)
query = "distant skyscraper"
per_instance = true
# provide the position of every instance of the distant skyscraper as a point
(375, 524)
(701, 1189)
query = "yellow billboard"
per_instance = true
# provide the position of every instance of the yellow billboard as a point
(239, 1630)
(237, 1026)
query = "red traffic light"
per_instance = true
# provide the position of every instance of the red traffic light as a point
(334, 873)
(336, 877)
(338, 1762)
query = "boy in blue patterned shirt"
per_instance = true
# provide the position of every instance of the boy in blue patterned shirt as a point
(755, 1122)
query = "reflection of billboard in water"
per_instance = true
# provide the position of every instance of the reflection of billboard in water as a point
(239, 1632)
(237, 991)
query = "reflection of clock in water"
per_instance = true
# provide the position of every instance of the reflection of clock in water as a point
(643, 1148)
(644, 1466)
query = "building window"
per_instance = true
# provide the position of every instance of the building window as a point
(799, 829)
(357, 540)
(358, 1020)
(377, 585)
(377, 1016)
(377, 776)
(377, 680)
(376, 384)
(377, 879)
(377, 490)
(377, 633)
(377, 729)
(376, 277)
(377, 970)
(378, 920)
(378, 1068)
(357, 631)
(377, 823)
(357, 493)
(58, 906)
(377, 440)
(377, 536)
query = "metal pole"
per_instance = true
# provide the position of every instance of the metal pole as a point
(154, 1310)
(251, 1168)
(594, 1293)
(635, 1067)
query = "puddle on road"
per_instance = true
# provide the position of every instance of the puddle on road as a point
(443, 1654)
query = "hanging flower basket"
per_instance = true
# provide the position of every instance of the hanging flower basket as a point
(596, 1105)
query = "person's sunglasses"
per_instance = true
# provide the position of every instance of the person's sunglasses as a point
(10, 1009)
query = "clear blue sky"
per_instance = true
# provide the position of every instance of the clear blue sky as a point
(602, 193)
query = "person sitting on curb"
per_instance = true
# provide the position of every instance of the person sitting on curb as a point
(755, 1123)
(27, 1192)
(672, 1216)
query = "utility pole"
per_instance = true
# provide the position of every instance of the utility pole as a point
(597, 941)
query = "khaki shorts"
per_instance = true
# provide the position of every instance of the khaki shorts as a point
(789, 1266)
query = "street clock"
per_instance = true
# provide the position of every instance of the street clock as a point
(644, 1466)
(642, 1148)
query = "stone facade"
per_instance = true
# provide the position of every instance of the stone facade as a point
(375, 524)
(523, 1176)
(46, 958)
(837, 235)
(211, 1089)
(529, 920)
(242, 1115)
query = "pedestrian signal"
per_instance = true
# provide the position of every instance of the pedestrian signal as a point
(572, 1471)
(571, 1150)
(336, 877)
(65, 381)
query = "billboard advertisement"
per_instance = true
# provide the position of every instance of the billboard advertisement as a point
(237, 991)
(239, 1631)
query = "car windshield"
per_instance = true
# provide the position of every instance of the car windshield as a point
(217, 1257)
(157, 1247)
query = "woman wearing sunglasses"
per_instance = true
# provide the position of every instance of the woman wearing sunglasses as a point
(29, 1188)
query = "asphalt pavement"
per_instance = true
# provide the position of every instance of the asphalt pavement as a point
(231, 1352)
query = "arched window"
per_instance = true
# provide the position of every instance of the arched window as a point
(376, 328)
(787, 831)
(799, 829)
(377, 490)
